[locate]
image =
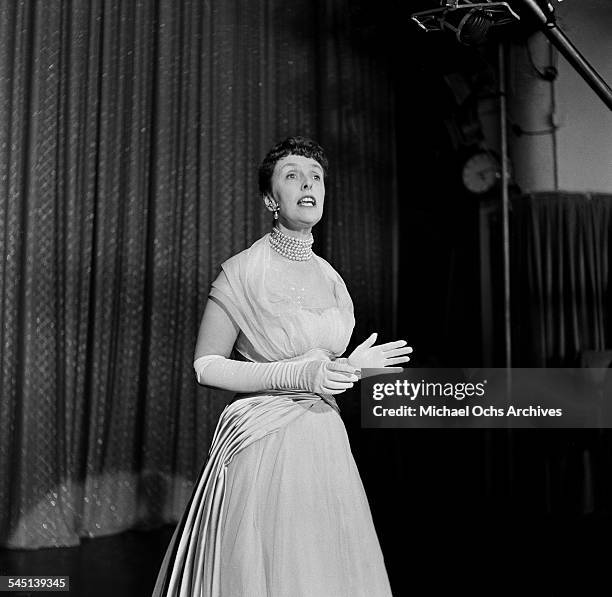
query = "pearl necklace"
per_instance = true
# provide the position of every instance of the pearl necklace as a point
(290, 247)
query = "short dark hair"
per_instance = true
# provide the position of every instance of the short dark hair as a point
(290, 146)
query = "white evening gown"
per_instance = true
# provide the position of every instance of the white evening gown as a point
(279, 509)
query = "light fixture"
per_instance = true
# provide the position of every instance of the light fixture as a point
(469, 21)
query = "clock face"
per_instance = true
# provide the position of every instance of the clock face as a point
(481, 172)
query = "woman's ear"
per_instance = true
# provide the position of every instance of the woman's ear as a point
(270, 202)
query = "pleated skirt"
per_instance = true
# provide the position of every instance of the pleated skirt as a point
(279, 510)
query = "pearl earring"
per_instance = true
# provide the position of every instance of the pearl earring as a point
(276, 213)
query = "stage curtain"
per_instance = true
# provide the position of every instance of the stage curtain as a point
(561, 248)
(130, 134)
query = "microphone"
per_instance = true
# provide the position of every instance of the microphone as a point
(469, 21)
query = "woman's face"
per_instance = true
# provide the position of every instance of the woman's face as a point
(299, 191)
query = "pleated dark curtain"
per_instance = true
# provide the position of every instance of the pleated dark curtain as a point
(561, 247)
(561, 282)
(130, 133)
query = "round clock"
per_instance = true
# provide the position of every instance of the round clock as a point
(481, 172)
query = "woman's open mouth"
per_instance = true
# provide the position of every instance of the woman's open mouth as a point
(307, 201)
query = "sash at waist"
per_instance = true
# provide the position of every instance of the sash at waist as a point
(295, 395)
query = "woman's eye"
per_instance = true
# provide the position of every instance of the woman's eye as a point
(317, 177)
(291, 175)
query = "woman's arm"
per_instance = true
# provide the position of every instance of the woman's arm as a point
(218, 332)
(216, 338)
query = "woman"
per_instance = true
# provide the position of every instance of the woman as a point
(279, 509)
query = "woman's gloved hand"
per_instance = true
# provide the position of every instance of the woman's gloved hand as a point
(368, 356)
(328, 377)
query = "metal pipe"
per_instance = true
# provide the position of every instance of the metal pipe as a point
(505, 204)
(571, 53)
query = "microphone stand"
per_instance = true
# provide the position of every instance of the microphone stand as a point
(571, 53)
(505, 204)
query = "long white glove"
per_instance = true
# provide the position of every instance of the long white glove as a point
(368, 356)
(318, 377)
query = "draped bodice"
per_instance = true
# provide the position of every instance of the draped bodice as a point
(284, 308)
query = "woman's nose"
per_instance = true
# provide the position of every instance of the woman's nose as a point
(306, 183)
